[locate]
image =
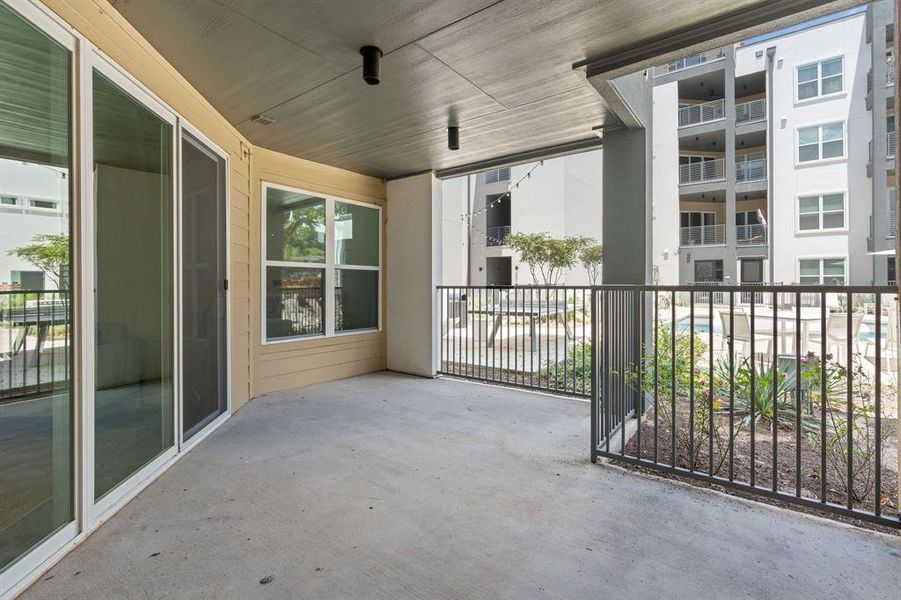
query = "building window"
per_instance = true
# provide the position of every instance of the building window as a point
(322, 265)
(821, 142)
(496, 175)
(890, 273)
(825, 211)
(47, 204)
(820, 79)
(821, 271)
(708, 271)
(8, 200)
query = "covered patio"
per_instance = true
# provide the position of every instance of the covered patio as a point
(390, 486)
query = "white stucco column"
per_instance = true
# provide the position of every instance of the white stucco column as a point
(413, 269)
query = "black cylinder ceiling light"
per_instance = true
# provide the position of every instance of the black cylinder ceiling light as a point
(371, 58)
(453, 138)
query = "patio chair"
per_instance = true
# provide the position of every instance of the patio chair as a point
(763, 344)
(889, 349)
(837, 333)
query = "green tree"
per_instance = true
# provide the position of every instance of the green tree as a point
(49, 252)
(548, 258)
(592, 258)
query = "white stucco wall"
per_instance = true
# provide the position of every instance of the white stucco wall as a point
(665, 184)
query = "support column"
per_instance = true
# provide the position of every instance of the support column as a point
(413, 270)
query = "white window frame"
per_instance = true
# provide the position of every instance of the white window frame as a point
(821, 230)
(820, 160)
(329, 266)
(819, 80)
(821, 258)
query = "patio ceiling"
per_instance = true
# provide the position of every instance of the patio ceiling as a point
(502, 70)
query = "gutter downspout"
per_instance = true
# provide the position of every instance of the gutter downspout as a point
(770, 62)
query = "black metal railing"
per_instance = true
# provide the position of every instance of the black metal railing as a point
(35, 343)
(793, 398)
(530, 337)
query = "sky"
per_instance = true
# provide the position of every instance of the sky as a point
(805, 25)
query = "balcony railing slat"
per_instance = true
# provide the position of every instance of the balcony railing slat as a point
(699, 172)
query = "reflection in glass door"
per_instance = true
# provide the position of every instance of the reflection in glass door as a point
(134, 297)
(36, 466)
(204, 359)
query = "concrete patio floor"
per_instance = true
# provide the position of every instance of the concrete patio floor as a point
(387, 486)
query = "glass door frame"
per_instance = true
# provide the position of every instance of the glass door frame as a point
(88, 514)
(99, 510)
(19, 574)
(185, 127)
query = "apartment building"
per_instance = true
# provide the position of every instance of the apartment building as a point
(559, 196)
(774, 158)
(34, 200)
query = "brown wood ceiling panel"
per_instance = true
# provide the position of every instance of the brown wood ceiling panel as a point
(240, 66)
(522, 51)
(568, 117)
(336, 29)
(348, 118)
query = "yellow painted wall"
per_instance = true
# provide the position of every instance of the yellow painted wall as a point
(255, 369)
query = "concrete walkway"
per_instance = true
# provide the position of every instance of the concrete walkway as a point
(388, 486)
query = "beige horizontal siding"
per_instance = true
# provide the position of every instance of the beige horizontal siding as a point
(255, 369)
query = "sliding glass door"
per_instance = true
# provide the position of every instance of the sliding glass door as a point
(36, 391)
(134, 300)
(204, 357)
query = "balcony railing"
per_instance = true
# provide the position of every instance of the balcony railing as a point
(35, 343)
(497, 236)
(892, 219)
(694, 114)
(710, 170)
(782, 391)
(686, 62)
(890, 74)
(702, 235)
(750, 235)
(748, 112)
(750, 170)
(890, 144)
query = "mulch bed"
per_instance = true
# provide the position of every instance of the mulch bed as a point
(810, 479)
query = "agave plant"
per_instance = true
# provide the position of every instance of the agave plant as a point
(768, 401)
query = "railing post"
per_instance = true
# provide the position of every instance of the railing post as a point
(595, 393)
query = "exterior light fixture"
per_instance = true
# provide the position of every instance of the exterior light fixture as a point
(371, 58)
(453, 138)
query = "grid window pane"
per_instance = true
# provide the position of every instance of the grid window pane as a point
(356, 235)
(809, 204)
(834, 271)
(808, 73)
(832, 85)
(833, 202)
(808, 153)
(295, 226)
(807, 90)
(831, 67)
(809, 222)
(833, 149)
(832, 132)
(810, 268)
(808, 135)
(356, 299)
(295, 302)
(833, 220)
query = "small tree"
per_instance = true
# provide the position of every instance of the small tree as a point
(48, 252)
(547, 257)
(592, 258)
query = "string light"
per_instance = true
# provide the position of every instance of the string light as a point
(503, 196)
